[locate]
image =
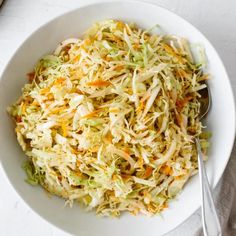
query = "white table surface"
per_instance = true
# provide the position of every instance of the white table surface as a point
(18, 18)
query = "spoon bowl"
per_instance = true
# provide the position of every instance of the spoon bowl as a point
(205, 102)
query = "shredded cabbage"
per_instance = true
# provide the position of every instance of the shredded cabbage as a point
(109, 120)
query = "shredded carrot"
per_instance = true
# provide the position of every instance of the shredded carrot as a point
(50, 96)
(151, 208)
(78, 162)
(107, 58)
(59, 81)
(79, 91)
(76, 58)
(56, 110)
(115, 39)
(182, 73)
(148, 172)
(35, 103)
(115, 177)
(126, 156)
(31, 76)
(91, 114)
(129, 91)
(135, 212)
(23, 108)
(127, 151)
(180, 103)
(146, 36)
(120, 25)
(44, 90)
(18, 119)
(165, 205)
(119, 67)
(99, 83)
(145, 98)
(64, 129)
(125, 176)
(86, 43)
(171, 51)
(109, 137)
(178, 177)
(141, 106)
(95, 149)
(114, 110)
(136, 46)
(204, 77)
(28, 100)
(166, 170)
(74, 151)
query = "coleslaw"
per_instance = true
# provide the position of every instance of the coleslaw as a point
(109, 120)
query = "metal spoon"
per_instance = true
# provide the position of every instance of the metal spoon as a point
(210, 220)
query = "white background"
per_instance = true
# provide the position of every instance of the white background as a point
(18, 18)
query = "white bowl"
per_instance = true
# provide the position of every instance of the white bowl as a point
(221, 120)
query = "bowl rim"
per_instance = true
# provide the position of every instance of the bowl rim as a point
(151, 4)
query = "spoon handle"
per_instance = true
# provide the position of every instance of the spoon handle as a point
(210, 220)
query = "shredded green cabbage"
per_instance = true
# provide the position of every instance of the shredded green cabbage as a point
(109, 120)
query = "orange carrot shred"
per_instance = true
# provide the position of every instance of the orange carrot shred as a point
(99, 83)
(180, 103)
(31, 76)
(179, 119)
(166, 170)
(148, 172)
(91, 114)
